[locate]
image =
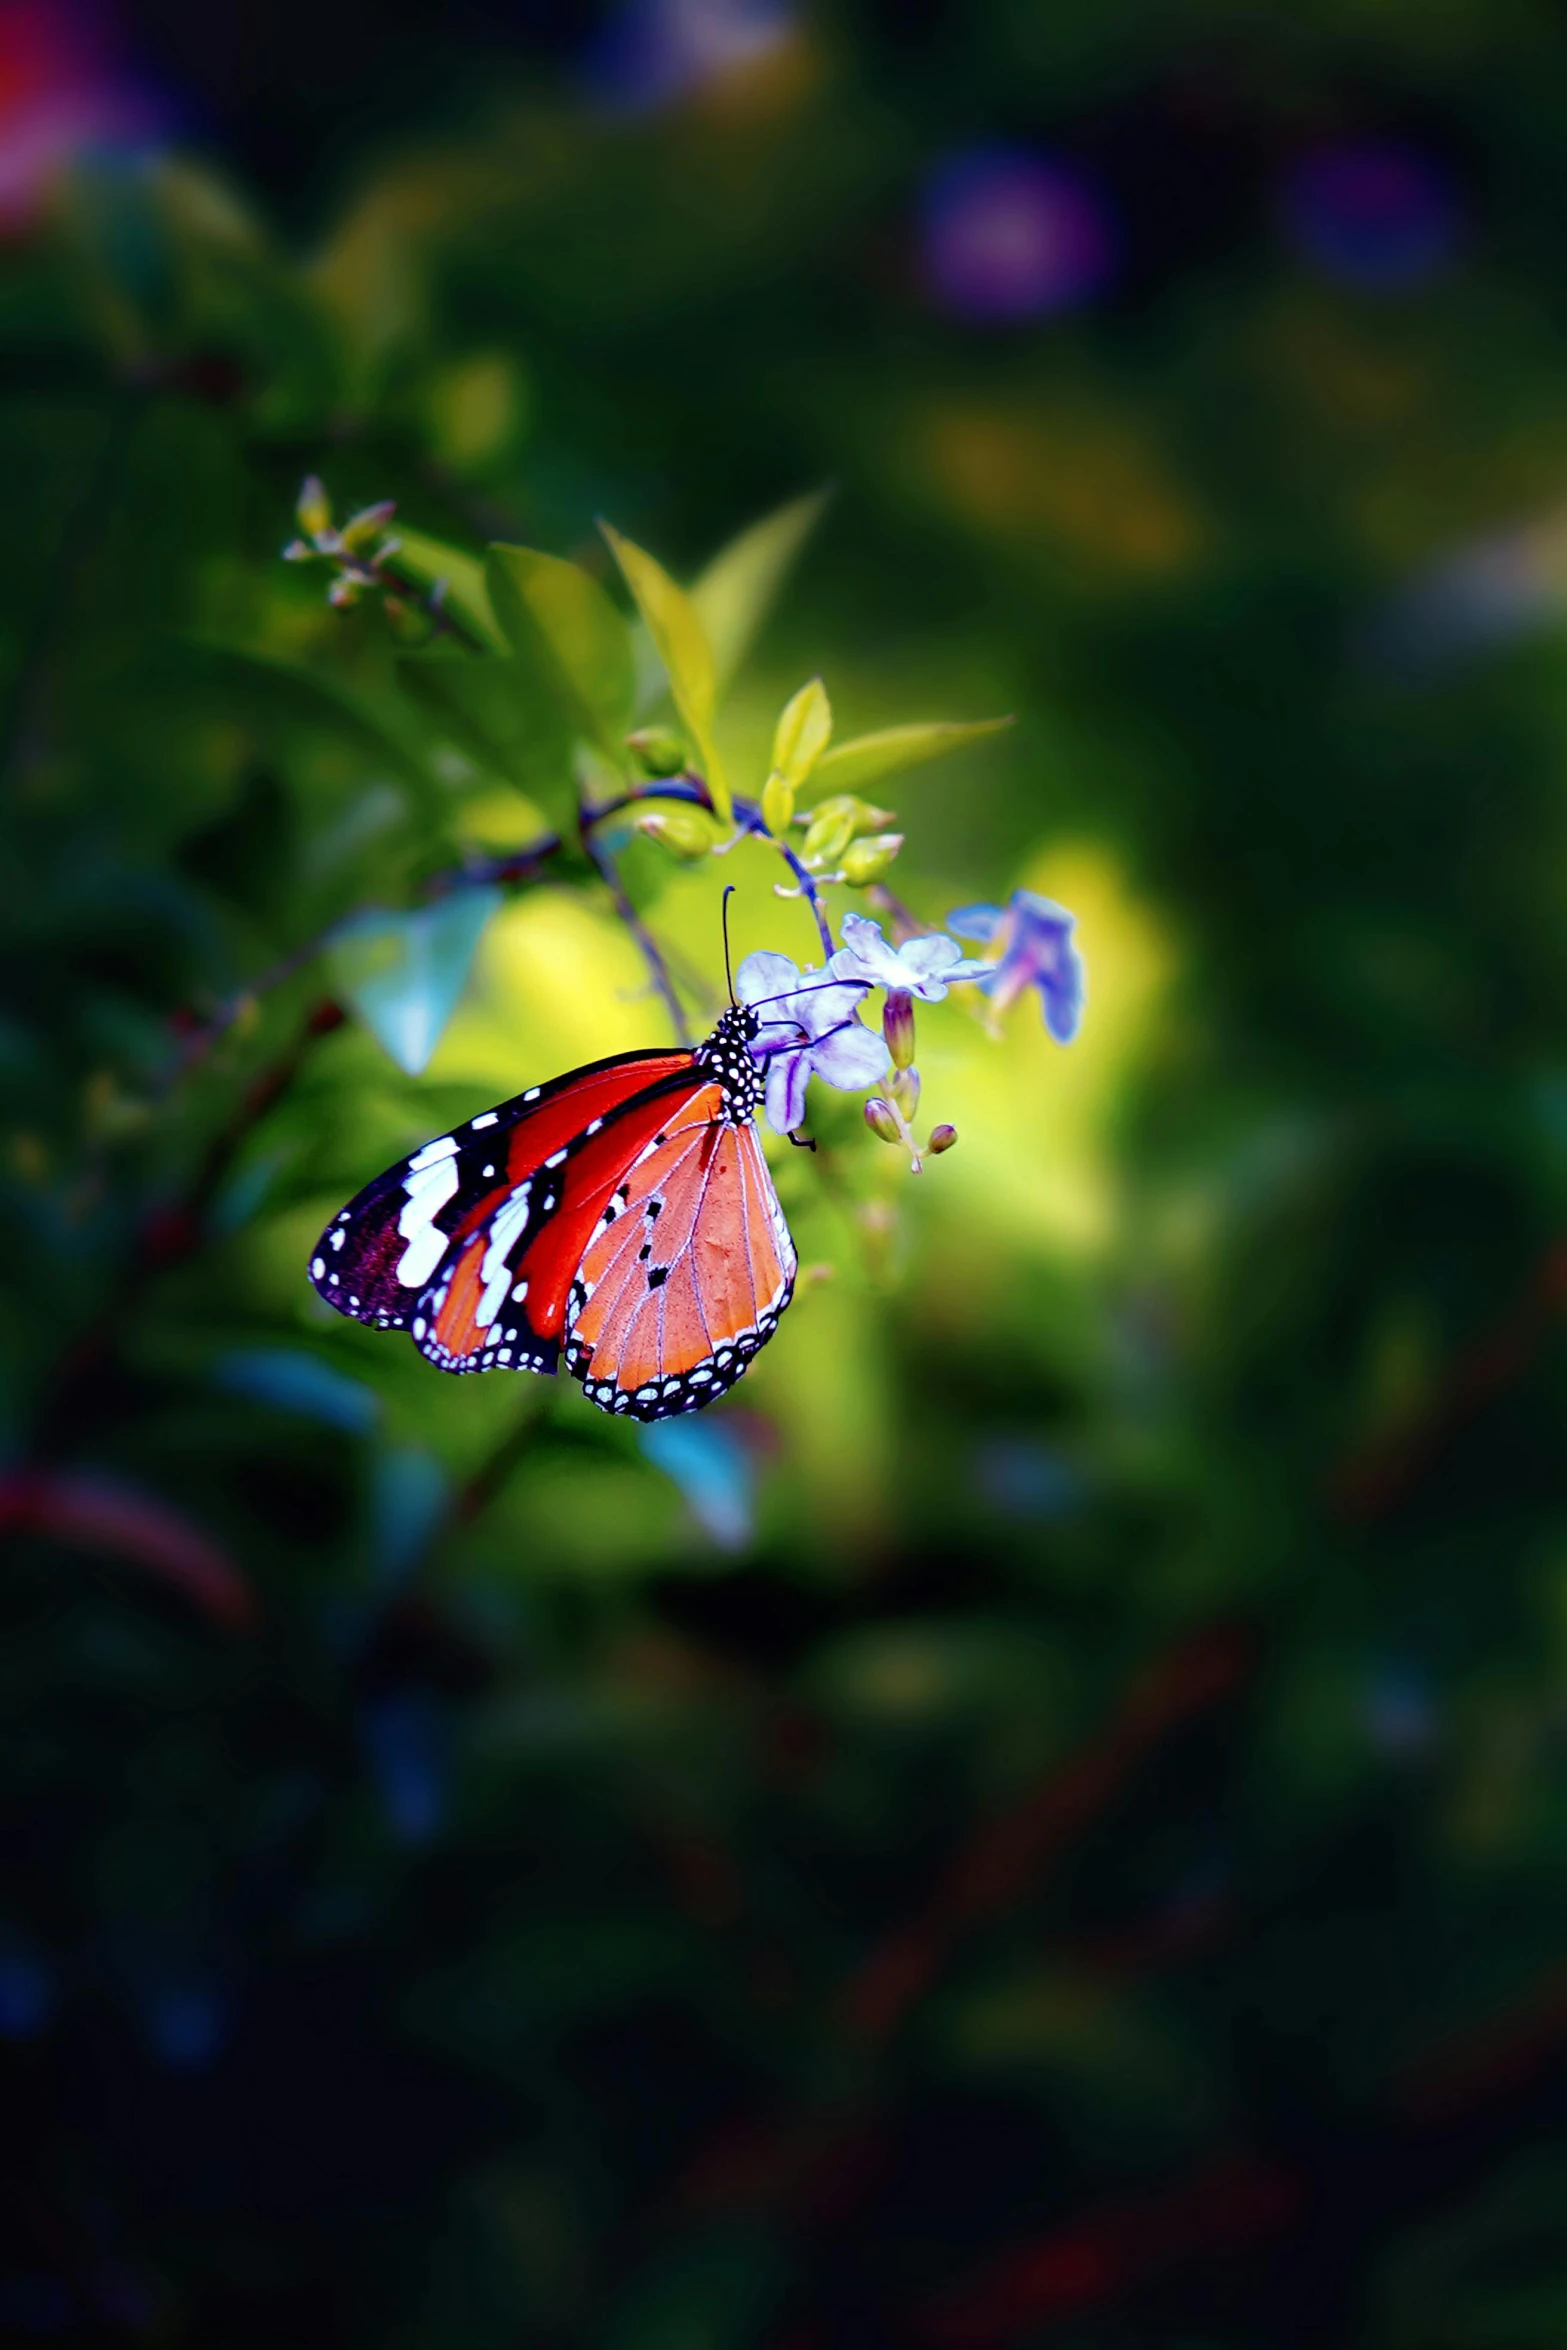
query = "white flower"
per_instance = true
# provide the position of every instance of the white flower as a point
(923, 967)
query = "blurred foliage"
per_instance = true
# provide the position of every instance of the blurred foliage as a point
(1051, 1829)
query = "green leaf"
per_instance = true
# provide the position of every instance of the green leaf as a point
(404, 972)
(556, 618)
(287, 693)
(866, 758)
(803, 733)
(503, 719)
(737, 590)
(681, 644)
(426, 561)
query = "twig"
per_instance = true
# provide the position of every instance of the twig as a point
(510, 866)
(750, 815)
(1006, 1854)
(1378, 1475)
(652, 954)
(171, 1235)
(475, 1497)
(432, 605)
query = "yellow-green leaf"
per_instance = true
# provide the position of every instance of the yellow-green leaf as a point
(777, 804)
(556, 617)
(866, 758)
(681, 644)
(427, 560)
(803, 733)
(737, 590)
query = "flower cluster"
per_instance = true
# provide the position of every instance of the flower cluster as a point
(811, 1025)
(358, 553)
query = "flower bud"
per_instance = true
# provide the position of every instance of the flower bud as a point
(343, 594)
(314, 508)
(687, 833)
(777, 804)
(828, 834)
(942, 1139)
(298, 551)
(882, 1120)
(364, 528)
(658, 750)
(904, 1087)
(868, 860)
(860, 813)
(897, 1026)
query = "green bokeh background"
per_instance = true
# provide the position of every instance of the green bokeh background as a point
(1087, 1867)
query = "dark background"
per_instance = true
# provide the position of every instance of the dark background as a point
(1085, 1864)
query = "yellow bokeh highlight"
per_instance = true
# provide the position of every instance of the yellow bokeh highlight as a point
(1087, 481)
(1037, 1153)
(557, 983)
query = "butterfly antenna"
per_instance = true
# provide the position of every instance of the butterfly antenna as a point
(729, 891)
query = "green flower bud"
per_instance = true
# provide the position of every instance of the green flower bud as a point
(364, 528)
(687, 833)
(882, 1119)
(314, 508)
(343, 594)
(777, 804)
(904, 1087)
(868, 860)
(942, 1139)
(828, 834)
(862, 816)
(658, 750)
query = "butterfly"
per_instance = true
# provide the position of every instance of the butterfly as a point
(621, 1218)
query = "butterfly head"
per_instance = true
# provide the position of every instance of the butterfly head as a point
(727, 1053)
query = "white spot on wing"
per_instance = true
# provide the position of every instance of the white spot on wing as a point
(443, 1147)
(488, 1118)
(495, 1272)
(420, 1258)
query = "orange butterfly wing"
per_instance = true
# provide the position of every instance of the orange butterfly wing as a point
(410, 1251)
(686, 1274)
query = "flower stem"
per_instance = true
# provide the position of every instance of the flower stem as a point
(652, 953)
(750, 815)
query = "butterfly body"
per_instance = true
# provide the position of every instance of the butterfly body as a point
(622, 1218)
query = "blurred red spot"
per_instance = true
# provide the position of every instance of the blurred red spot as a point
(96, 1513)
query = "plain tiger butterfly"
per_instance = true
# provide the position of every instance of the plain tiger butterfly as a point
(622, 1218)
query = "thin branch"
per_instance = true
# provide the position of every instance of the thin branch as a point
(432, 605)
(510, 866)
(171, 1235)
(652, 953)
(750, 815)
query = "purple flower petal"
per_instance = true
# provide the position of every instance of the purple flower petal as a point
(851, 1058)
(786, 1076)
(763, 977)
(977, 922)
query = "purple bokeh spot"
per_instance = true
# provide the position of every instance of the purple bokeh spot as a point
(1009, 235)
(1377, 216)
